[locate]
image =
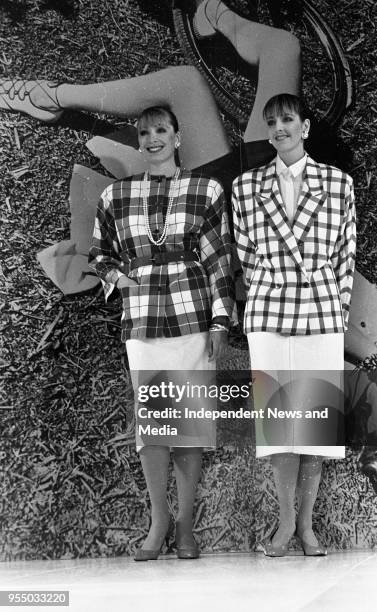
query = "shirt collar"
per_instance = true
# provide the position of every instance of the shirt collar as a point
(295, 168)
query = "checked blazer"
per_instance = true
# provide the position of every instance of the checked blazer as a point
(298, 276)
(176, 298)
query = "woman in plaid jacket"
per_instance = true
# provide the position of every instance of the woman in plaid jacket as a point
(162, 238)
(294, 224)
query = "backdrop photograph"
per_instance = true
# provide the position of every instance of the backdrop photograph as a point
(75, 78)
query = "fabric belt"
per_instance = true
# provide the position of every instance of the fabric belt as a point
(158, 259)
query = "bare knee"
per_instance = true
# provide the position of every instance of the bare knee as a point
(187, 78)
(283, 44)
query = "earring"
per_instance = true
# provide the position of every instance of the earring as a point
(177, 145)
(305, 135)
(270, 141)
(140, 150)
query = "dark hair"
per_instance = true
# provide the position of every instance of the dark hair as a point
(323, 144)
(277, 105)
(157, 112)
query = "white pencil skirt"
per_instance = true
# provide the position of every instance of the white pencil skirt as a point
(181, 361)
(298, 391)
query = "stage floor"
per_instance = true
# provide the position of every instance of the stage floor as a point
(234, 582)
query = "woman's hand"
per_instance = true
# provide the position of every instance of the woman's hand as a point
(125, 281)
(218, 341)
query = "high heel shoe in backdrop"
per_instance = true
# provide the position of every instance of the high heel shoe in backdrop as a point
(202, 24)
(16, 96)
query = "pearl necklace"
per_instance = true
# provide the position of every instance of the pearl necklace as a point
(173, 189)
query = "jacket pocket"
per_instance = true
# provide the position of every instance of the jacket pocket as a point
(325, 289)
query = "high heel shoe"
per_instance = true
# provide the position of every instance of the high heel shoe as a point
(310, 550)
(188, 552)
(143, 554)
(15, 98)
(271, 550)
(202, 25)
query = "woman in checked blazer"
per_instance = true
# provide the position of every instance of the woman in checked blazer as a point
(294, 224)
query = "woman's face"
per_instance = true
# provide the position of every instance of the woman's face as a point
(286, 131)
(157, 139)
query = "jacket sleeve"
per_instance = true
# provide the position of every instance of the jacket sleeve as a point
(215, 254)
(245, 247)
(104, 253)
(344, 255)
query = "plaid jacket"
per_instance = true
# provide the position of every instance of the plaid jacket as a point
(177, 298)
(298, 277)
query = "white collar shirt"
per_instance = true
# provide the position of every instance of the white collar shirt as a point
(290, 183)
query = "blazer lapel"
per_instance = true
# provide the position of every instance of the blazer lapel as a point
(269, 198)
(311, 199)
